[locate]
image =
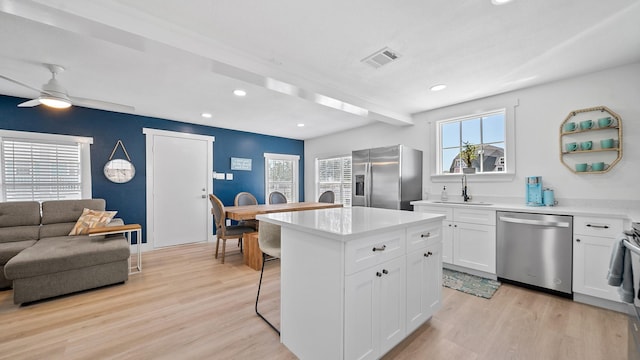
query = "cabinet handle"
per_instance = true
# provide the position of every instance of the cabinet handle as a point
(378, 274)
(379, 248)
(455, 225)
(599, 226)
(577, 240)
(425, 235)
(429, 253)
(384, 271)
(449, 225)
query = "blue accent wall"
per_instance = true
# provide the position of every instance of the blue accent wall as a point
(107, 127)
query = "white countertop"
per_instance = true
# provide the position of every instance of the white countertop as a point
(348, 223)
(556, 210)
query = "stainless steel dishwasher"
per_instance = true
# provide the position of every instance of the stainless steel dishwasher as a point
(535, 250)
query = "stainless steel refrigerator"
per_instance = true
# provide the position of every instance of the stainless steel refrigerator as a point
(387, 177)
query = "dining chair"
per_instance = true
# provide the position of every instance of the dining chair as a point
(327, 197)
(246, 198)
(224, 232)
(269, 243)
(277, 197)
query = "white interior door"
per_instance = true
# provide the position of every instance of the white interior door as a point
(178, 178)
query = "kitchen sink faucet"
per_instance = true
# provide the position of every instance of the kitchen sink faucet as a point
(465, 194)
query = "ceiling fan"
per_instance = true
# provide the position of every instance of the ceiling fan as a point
(55, 95)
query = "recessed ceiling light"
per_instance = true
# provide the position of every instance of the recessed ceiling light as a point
(206, 115)
(438, 87)
(239, 92)
(500, 2)
(301, 125)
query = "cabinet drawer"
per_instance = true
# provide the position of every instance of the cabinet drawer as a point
(446, 211)
(363, 253)
(419, 237)
(597, 226)
(472, 216)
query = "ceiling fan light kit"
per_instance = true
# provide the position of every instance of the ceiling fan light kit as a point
(54, 102)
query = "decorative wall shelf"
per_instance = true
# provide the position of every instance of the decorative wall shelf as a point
(610, 156)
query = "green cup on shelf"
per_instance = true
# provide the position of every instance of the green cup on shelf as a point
(606, 143)
(570, 126)
(572, 146)
(586, 145)
(587, 124)
(605, 122)
(581, 167)
(598, 166)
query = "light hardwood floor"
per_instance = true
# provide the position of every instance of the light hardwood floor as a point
(186, 305)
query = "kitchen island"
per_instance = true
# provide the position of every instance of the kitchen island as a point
(356, 281)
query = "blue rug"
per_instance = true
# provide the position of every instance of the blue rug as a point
(469, 284)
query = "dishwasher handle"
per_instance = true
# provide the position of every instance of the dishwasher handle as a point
(534, 222)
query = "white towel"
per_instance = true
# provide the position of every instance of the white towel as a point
(620, 272)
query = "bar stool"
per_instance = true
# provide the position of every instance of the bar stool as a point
(269, 242)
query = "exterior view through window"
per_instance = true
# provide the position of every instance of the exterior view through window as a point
(282, 175)
(474, 144)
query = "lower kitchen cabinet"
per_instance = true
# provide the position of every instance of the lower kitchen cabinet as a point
(468, 237)
(474, 246)
(375, 310)
(591, 256)
(593, 238)
(424, 290)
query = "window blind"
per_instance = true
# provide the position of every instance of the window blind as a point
(335, 174)
(35, 170)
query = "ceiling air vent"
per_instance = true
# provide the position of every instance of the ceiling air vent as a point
(381, 57)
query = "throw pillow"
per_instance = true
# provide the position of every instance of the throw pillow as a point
(91, 219)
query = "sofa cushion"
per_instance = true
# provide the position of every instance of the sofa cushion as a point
(59, 216)
(91, 219)
(19, 221)
(11, 249)
(64, 211)
(64, 253)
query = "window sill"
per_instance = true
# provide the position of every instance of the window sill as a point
(485, 177)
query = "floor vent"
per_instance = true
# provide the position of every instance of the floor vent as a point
(381, 57)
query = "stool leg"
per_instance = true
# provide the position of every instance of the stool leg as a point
(258, 296)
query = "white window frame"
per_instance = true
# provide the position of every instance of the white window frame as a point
(473, 110)
(296, 177)
(340, 196)
(85, 154)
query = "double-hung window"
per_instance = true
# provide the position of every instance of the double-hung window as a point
(44, 166)
(477, 142)
(281, 174)
(335, 174)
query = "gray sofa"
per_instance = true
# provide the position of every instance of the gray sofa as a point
(40, 260)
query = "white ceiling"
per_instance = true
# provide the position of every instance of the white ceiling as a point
(175, 59)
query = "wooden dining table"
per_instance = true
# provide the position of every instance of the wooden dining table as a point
(249, 212)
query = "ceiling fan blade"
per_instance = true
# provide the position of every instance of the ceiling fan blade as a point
(20, 83)
(30, 103)
(103, 105)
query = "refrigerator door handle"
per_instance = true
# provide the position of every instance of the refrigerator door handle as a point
(367, 184)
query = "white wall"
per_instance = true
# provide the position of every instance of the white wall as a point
(538, 115)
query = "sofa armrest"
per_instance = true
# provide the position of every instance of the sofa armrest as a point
(116, 222)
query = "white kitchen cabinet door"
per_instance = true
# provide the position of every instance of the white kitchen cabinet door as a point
(474, 246)
(424, 284)
(362, 325)
(591, 255)
(393, 295)
(375, 300)
(447, 242)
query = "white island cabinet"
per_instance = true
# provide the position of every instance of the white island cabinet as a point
(356, 281)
